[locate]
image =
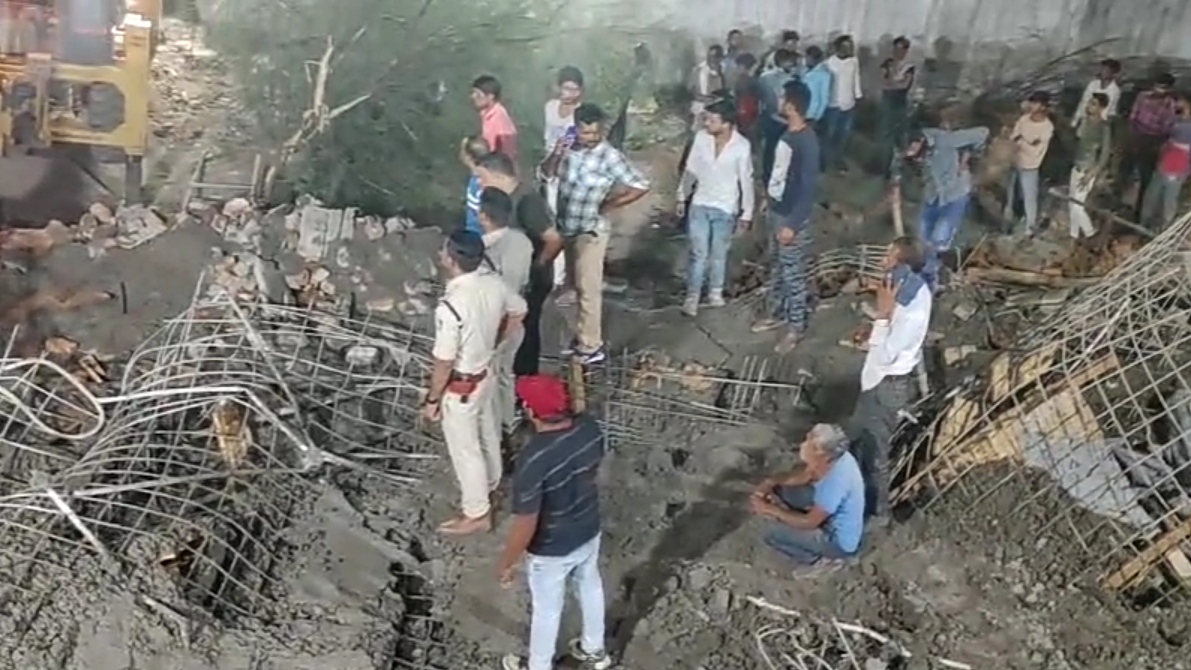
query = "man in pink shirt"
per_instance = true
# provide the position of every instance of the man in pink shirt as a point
(495, 123)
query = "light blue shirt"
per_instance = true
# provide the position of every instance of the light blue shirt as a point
(841, 495)
(473, 204)
(947, 180)
(818, 82)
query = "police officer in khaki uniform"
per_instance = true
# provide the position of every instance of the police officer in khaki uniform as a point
(476, 313)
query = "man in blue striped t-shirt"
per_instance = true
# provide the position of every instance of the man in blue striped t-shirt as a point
(556, 525)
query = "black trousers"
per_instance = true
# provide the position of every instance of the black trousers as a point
(1141, 154)
(541, 283)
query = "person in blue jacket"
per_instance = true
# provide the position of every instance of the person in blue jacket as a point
(818, 82)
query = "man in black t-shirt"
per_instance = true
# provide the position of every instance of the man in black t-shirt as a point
(532, 215)
(556, 525)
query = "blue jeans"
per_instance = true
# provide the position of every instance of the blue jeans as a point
(937, 225)
(1028, 181)
(837, 126)
(710, 233)
(805, 547)
(548, 577)
(1160, 202)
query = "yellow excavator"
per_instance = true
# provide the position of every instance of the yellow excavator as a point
(74, 72)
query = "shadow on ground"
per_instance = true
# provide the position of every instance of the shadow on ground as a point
(54, 184)
(692, 533)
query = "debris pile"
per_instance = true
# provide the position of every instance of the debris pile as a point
(1092, 407)
(796, 640)
(308, 255)
(848, 270)
(186, 479)
(1042, 263)
(100, 228)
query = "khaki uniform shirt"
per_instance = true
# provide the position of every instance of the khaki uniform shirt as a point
(468, 318)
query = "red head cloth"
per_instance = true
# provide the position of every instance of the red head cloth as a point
(544, 395)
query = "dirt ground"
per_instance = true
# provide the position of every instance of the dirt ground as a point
(366, 583)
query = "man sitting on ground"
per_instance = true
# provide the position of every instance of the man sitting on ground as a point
(816, 513)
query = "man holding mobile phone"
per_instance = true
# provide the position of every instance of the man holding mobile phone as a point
(887, 380)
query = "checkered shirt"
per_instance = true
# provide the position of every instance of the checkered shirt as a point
(1153, 114)
(586, 177)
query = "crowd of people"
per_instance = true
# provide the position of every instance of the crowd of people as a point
(525, 238)
(533, 234)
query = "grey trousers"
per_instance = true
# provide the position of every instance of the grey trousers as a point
(871, 430)
(1160, 202)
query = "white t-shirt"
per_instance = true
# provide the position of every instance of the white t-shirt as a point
(1111, 89)
(556, 126)
(845, 82)
(1033, 139)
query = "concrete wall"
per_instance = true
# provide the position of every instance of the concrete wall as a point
(1141, 26)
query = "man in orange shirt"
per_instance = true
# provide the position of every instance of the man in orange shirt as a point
(496, 125)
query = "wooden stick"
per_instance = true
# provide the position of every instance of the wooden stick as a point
(1140, 230)
(1135, 569)
(1024, 278)
(899, 225)
(578, 386)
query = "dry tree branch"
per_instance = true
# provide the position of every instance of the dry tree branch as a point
(840, 627)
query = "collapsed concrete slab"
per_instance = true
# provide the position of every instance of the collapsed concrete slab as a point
(1090, 411)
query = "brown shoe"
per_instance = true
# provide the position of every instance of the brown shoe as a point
(463, 525)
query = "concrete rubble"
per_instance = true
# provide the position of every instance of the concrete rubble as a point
(310, 255)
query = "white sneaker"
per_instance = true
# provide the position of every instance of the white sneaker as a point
(587, 660)
(690, 306)
(716, 299)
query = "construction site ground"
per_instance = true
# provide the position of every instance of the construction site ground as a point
(681, 554)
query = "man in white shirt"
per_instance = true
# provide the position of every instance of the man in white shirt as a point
(510, 253)
(1106, 83)
(476, 313)
(1031, 139)
(720, 169)
(788, 40)
(708, 79)
(887, 379)
(845, 93)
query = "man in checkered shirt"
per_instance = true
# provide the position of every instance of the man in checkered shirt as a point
(594, 179)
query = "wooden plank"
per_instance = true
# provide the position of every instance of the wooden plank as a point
(1179, 564)
(1023, 278)
(1132, 571)
(1006, 378)
(1064, 415)
(967, 412)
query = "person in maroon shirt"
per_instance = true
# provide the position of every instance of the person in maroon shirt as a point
(1160, 201)
(1149, 125)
